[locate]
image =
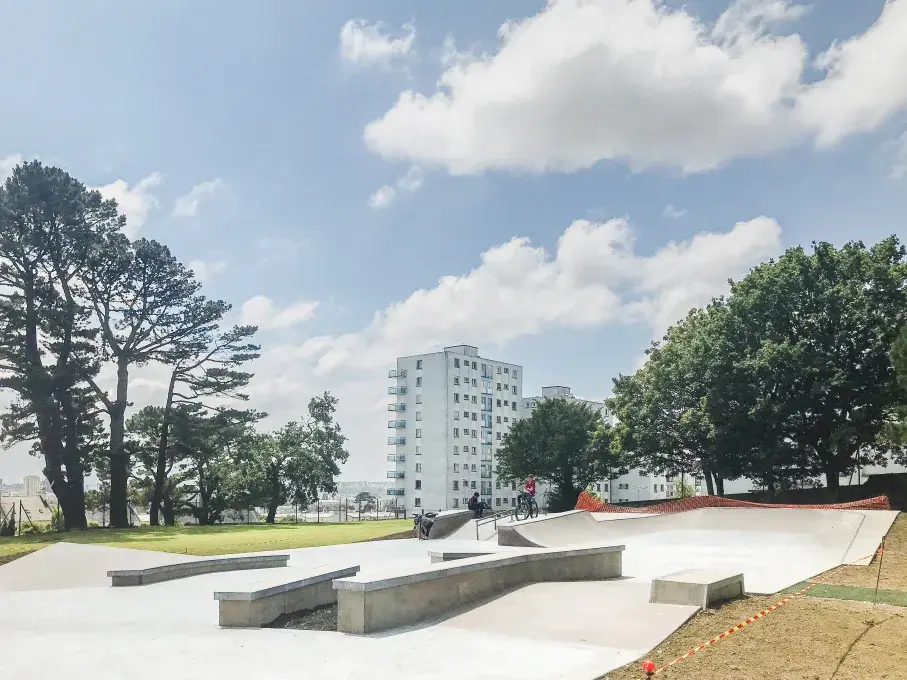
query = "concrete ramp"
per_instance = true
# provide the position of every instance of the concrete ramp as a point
(774, 547)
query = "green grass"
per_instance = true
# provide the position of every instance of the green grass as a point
(856, 593)
(214, 540)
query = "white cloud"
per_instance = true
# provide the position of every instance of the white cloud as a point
(899, 169)
(262, 312)
(382, 197)
(586, 81)
(205, 271)
(187, 206)
(409, 183)
(372, 44)
(673, 213)
(7, 164)
(516, 289)
(135, 202)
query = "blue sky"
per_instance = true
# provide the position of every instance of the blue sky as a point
(249, 137)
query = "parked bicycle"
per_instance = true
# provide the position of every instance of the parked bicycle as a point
(526, 507)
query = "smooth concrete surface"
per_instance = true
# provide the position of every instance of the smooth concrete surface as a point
(876, 525)
(170, 572)
(255, 608)
(369, 603)
(446, 523)
(436, 556)
(74, 565)
(773, 547)
(696, 587)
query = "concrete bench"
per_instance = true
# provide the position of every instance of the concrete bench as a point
(450, 555)
(170, 572)
(697, 587)
(367, 603)
(256, 608)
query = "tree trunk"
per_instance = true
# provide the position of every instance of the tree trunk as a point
(119, 460)
(272, 509)
(832, 481)
(719, 484)
(709, 486)
(160, 472)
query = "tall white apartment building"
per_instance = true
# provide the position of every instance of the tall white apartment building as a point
(449, 413)
(633, 486)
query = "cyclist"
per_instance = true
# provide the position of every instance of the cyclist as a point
(529, 486)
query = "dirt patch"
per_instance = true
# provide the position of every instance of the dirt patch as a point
(392, 537)
(6, 559)
(894, 565)
(804, 640)
(320, 618)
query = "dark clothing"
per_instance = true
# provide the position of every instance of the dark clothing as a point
(477, 506)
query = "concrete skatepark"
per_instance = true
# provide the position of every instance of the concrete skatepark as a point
(533, 623)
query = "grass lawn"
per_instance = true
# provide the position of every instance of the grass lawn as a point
(214, 540)
(833, 632)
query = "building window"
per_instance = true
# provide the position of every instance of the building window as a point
(456, 398)
(513, 486)
(506, 419)
(606, 487)
(513, 501)
(418, 434)
(498, 484)
(456, 415)
(474, 416)
(418, 502)
(456, 453)
(475, 365)
(515, 375)
(506, 387)
(456, 503)
(499, 402)
(466, 398)
(418, 467)
(498, 435)
(513, 406)
(499, 370)
(456, 485)
(499, 387)
(598, 487)
(456, 380)
(418, 398)
(418, 364)
(474, 434)
(473, 450)
(418, 484)
(655, 488)
(506, 403)
(475, 383)
(497, 501)
(456, 433)
(418, 450)
(456, 465)
(456, 363)
(419, 381)
(499, 418)
(472, 484)
(514, 389)
(662, 487)
(418, 415)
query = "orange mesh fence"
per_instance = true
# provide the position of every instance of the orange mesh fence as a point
(586, 501)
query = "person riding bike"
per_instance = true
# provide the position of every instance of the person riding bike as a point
(527, 495)
(529, 486)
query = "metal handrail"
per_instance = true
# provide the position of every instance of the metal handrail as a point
(492, 518)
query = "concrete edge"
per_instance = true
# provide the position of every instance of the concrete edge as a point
(471, 564)
(253, 595)
(170, 572)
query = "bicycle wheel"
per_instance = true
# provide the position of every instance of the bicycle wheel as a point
(522, 511)
(533, 508)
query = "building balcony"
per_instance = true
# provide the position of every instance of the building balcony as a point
(399, 406)
(396, 458)
(396, 441)
(486, 456)
(395, 475)
(396, 424)
(399, 389)
(396, 492)
(396, 373)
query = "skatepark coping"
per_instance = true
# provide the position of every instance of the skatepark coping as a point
(170, 572)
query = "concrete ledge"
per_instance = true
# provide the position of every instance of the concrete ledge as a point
(170, 572)
(449, 555)
(696, 587)
(368, 604)
(445, 523)
(256, 608)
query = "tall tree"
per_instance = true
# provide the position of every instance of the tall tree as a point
(204, 372)
(49, 226)
(564, 443)
(301, 458)
(819, 328)
(894, 434)
(148, 308)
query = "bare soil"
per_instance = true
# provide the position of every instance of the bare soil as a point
(320, 618)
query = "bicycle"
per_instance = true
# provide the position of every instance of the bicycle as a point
(526, 507)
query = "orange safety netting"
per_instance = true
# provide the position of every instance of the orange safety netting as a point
(588, 502)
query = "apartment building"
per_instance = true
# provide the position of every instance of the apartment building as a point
(449, 413)
(633, 486)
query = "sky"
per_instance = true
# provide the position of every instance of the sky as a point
(555, 183)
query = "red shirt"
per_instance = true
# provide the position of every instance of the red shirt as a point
(530, 487)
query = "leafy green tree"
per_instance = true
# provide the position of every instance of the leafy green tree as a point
(204, 371)
(300, 459)
(815, 331)
(148, 308)
(564, 443)
(894, 434)
(49, 226)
